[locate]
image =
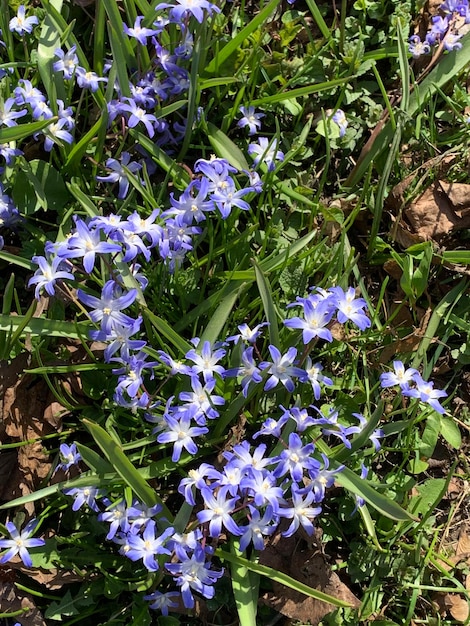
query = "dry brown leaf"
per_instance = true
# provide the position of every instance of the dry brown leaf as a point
(12, 600)
(443, 207)
(457, 606)
(30, 411)
(296, 558)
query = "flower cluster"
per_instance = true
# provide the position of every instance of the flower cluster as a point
(412, 385)
(443, 30)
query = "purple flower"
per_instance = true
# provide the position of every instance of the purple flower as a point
(148, 546)
(281, 369)
(400, 376)
(191, 207)
(22, 24)
(118, 172)
(266, 152)
(84, 495)
(418, 48)
(137, 115)
(339, 118)
(141, 33)
(248, 370)
(194, 573)
(183, 7)
(19, 543)
(67, 62)
(350, 307)
(55, 133)
(247, 334)
(69, 456)
(316, 318)
(87, 79)
(296, 458)
(217, 512)
(117, 517)
(7, 116)
(9, 153)
(205, 363)
(107, 309)
(258, 527)
(250, 119)
(181, 433)
(425, 392)
(202, 399)
(315, 377)
(50, 271)
(300, 512)
(86, 243)
(163, 601)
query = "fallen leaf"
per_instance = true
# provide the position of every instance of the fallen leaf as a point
(12, 600)
(457, 607)
(295, 557)
(439, 210)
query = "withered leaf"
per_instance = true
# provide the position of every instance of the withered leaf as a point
(296, 558)
(12, 600)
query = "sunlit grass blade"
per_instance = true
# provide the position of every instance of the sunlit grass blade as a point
(179, 175)
(301, 91)
(268, 304)
(225, 148)
(40, 327)
(279, 577)
(219, 318)
(353, 483)
(16, 133)
(49, 41)
(121, 464)
(167, 331)
(245, 585)
(234, 44)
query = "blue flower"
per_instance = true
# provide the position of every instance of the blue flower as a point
(22, 24)
(250, 119)
(19, 543)
(266, 152)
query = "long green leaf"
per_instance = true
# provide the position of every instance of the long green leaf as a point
(279, 577)
(352, 482)
(225, 148)
(218, 319)
(301, 91)
(115, 455)
(40, 327)
(234, 44)
(167, 331)
(15, 133)
(268, 304)
(245, 585)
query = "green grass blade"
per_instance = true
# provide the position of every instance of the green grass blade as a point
(180, 176)
(279, 577)
(16, 133)
(225, 148)
(119, 461)
(49, 41)
(268, 304)
(245, 585)
(301, 91)
(234, 44)
(219, 318)
(353, 483)
(167, 331)
(17, 260)
(40, 327)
